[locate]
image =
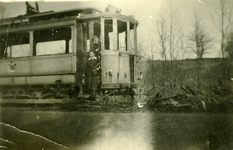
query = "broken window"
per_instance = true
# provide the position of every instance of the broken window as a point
(90, 31)
(131, 37)
(86, 39)
(108, 34)
(96, 38)
(121, 35)
(52, 41)
(2, 46)
(15, 45)
(54, 47)
(97, 29)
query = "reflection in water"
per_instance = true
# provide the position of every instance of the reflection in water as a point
(134, 131)
(122, 131)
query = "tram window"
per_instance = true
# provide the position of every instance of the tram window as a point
(52, 41)
(86, 41)
(22, 50)
(108, 34)
(54, 47)
(16, 45)
(2, 47)
(96, 37)
(121, 35)
(97, 29)
(132, 37)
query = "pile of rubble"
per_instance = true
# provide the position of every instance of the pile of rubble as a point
(191, 101)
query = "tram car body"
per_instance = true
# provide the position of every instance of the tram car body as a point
(47, 51)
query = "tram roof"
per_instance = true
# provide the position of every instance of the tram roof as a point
(50, 15)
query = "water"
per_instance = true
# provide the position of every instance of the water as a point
(126, 131)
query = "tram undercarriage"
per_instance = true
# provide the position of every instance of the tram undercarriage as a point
(39, 92)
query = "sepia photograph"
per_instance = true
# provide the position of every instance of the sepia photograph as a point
(116, 75)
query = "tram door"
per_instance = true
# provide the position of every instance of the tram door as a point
(90, 35)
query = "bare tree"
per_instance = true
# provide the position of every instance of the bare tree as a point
(229, 57)
(199, 36)
(200, 42)
(169, 34)
(166, 73)
(161, 28)
(224, 19)
(229, 45)
(141, 49)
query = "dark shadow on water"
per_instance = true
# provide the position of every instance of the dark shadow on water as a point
(220, 132)
(192, 131)
(69, 129)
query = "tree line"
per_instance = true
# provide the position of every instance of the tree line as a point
(173, 43)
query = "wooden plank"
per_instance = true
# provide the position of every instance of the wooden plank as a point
(32, 101)
(102, 34)
(91, 33)
(79, 52)
(31, 41)
(115, 33)
(128, 37)
(135, 39)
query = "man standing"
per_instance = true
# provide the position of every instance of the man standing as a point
(92, 73)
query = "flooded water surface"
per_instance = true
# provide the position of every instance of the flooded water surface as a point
(126, 131)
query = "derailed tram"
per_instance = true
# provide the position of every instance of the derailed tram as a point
(45, 54)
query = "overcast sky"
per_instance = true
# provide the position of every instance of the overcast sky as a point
(145, 11)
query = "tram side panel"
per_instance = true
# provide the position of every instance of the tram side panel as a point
(109, 70)
(115, 71)
(14, 71)
(15, 67)
(124, 68)
(47, 70)
(40, 70)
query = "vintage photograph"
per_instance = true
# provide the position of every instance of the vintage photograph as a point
(116, 75)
